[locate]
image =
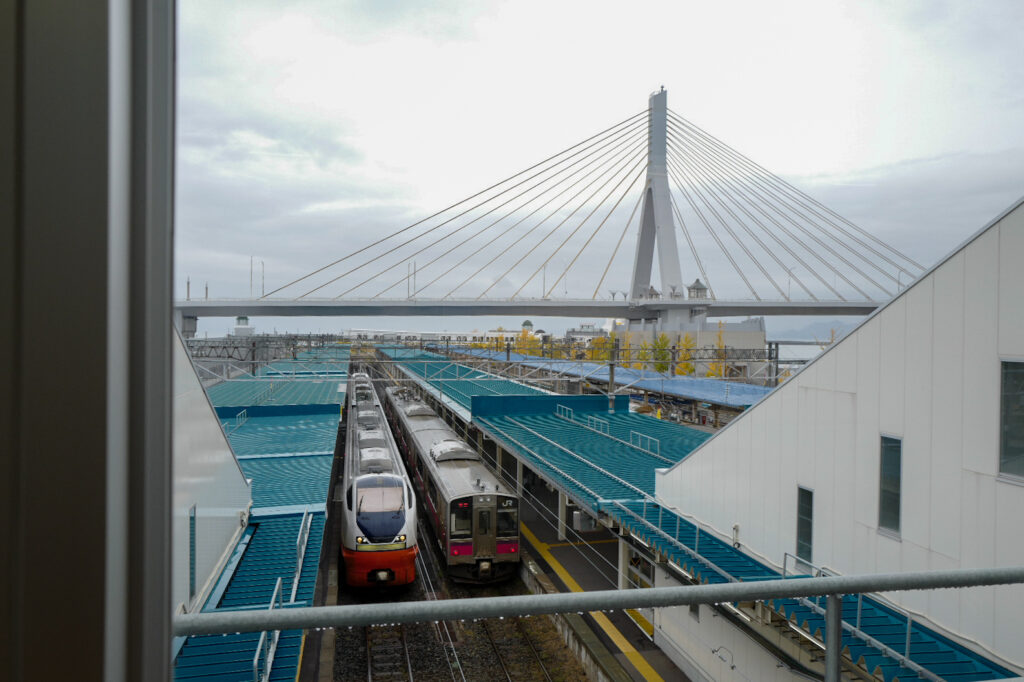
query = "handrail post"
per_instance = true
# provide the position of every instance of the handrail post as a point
(833, 636)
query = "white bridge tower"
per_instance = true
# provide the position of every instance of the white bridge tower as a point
(656, 222)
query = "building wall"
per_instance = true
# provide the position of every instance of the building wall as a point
(207, 475)
(926, 369)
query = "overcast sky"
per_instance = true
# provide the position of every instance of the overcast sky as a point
(307, 129)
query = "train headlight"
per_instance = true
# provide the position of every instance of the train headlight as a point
(360, 540)
(400, 538)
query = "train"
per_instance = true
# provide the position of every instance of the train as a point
(474, 516)
(378, 520)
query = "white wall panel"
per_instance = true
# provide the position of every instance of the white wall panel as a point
(925, 368)
(1011, 286)
(207, 475)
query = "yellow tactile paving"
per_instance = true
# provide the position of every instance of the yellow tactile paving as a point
(602, 620)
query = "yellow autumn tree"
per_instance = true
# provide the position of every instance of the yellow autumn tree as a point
(718, 367)
(685, 365)
(527, 343)
(661, 352)
(643, 356)
(599, 349)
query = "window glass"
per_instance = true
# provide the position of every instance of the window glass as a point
(380, 494)
(1011, 422)
(462, 518)
(889, 484)
(804, 523)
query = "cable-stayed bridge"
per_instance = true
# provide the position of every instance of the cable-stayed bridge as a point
(754, 244)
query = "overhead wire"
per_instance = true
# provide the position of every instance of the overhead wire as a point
(628, 121)
(469, 223)
(738, 186)
(839, 273)
(798, 196)
(596, 174)
(616, 251)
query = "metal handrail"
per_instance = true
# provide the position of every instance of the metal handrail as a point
(267, 645)
(571, 418)
(642, 438)
(300, 549)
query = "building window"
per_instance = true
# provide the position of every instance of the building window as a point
(192, 553)
(889, 484)
(1011, 421)
(804, 523)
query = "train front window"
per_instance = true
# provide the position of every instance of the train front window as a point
(508, 516)
(462, 518)
(381, 494)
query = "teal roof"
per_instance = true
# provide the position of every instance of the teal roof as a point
(288, 481)
(244, 393)
(284, 434)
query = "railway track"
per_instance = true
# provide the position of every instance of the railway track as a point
(507, 637)
(387, 654)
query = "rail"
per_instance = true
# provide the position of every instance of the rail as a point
(240, 419)
(644, 442)
(300, 550)
(903, 658)
(267, 645)
(522, 605)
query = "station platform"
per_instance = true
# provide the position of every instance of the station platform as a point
(586, 561)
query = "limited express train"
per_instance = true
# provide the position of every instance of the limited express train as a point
(378, 535)
(474, 516)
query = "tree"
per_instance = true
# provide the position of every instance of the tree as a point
(718, 368)
(643, 356)
(527, 343)
(686, 345)
(599, 349)
(661, 352)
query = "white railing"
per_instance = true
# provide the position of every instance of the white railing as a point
(265, 394)
(599, 425)
(267, 646)
(642, 441)
(564, 412)
(240, 419)
(300, 550)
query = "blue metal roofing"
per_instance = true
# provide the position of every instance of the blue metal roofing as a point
(250, 392)
(606, 474)
(273, 435)
(717, 391)
(458, 382)
(288, 480)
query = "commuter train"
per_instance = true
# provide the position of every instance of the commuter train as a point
(475, 517)
(378, 534)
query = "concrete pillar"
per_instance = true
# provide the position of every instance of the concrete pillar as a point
(563, 503)
(623, 564)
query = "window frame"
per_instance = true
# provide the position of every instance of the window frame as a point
(810, 543)
(887, 530)
(1009, 476)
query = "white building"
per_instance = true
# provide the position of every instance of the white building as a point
(900, 448)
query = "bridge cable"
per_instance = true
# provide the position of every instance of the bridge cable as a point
(709, 187)
(828, 248)
(578, 227)
(617, 145)
(442, 224)
(596, 230)
(527, 217)
(707, 226)
(797, 194)
(697, 165)
(599, 174)
(693, 248)
(461, 228)
(704, 200)
(757, 206)
(629, 120)
(616, 251)
(640, 147)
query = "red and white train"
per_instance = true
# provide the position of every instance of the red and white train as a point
(378, 525)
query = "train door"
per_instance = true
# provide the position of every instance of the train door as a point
(483, 539)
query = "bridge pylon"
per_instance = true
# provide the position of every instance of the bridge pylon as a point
(656, 223)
